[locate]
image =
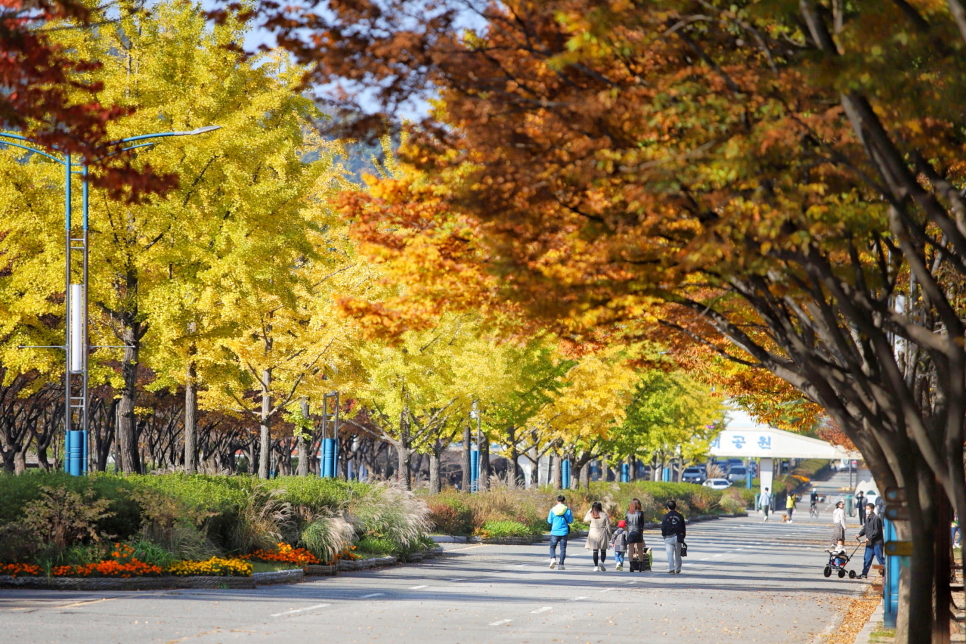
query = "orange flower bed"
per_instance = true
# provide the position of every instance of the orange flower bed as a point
(285, 554)
(16, 569)
(122, 563)
(109, 568)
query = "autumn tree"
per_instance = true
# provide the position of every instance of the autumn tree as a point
(786, 174)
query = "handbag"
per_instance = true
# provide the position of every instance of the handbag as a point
(684, 549)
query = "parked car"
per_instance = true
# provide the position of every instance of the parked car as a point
(737, 473)
(693, 474)
(717, 484)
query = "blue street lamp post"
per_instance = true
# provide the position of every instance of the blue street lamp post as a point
(76, 346)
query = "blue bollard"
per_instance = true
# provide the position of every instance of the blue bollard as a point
(75, 452)
(667, 475)
(474, 470)
(330, 458)
(625, 473)
(565, 475)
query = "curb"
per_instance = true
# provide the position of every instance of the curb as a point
(874, 620)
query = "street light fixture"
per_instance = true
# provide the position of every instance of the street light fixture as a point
(76, 347)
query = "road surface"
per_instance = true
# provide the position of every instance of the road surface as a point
(744, 581)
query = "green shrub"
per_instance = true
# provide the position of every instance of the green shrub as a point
(504, 529)
(379, 546)
(451, 515)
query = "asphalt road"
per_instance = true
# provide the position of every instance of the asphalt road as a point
(744, 581)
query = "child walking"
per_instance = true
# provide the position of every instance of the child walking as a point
(618, 542)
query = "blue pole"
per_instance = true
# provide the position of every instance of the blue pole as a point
(890, 590)
(474, 470)
(625, 472)
(565, 475)
(666, 474)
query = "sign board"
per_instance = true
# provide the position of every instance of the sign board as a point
(895, 495)
(745, 438)
(897, 512)
(898, 548)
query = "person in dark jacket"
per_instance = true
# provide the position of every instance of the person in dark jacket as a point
(860, 507)
(673, 530)
(874, 539)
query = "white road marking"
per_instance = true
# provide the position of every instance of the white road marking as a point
(372, 595)
(500, 622)
(541, 610)
(633, 581)
(703, 559)
(576, 599)
(417, 587)
(460, 579)
(300, 610)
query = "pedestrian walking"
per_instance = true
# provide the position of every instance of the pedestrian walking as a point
(599, 534)
(673, 529)
(635, 532)
(954, 532)
(764, 502)
(790, 506)
(860, 507)
(874, 541)
(838, 522)
(618, 542)
(559, 518)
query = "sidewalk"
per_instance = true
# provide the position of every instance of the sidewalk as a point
(874, 625)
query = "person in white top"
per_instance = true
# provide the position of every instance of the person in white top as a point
(764, 501)
(838, 522)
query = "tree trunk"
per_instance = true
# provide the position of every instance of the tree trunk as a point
(264, 427)
(303, 442)
(513, 455)
(191, 421)
(484, 483)
(403, 452)
(127, 440)
(467, 439)
(435, 486)
(556, 475)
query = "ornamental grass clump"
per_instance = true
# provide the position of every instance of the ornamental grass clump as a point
(393, 513)
(327, 536)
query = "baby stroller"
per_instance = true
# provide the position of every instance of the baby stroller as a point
(838, 561)
(644, 563)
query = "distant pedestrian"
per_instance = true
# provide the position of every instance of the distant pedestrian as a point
(599, 534)
(559, 518)
(879, 507)
(618, 542)
(673, 529)
(790, 506)
(860, 507)
(838, 522)
(635, 531)
(954, 532)
(764, 502)
(874, 541)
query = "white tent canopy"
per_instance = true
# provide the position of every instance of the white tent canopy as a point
(744, 438)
